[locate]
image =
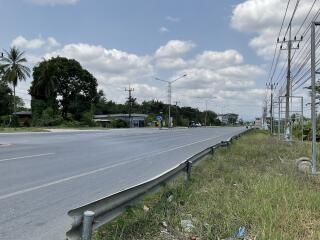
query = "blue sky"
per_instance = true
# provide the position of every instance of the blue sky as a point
(216, 42)
(132, 26)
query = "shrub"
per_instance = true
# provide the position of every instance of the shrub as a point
(119, 123)
(86, 119)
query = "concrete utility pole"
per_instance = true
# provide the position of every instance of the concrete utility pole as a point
(176, 104)
(289, 48)
(169, 95)
(313, 96)
(130, 90)
(272, 87)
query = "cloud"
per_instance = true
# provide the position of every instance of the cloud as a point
(113, 68)
(52, 42)
(36, 43)
(170, 63)
(206, 59)
(163, 29)
(172, 19)
(174, 48)
(22, 42)
(54, 2)
(263, 19)
(214, 60)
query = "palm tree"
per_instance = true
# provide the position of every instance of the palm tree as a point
(12, 65)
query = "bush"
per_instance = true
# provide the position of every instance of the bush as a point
(119, 123)
(86, 119)
(47, 118)
(9, 121)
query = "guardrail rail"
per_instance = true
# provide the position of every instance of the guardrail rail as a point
(95, 214)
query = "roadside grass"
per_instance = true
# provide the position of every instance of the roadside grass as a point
(253, 183)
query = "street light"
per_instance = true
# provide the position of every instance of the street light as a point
(169, 93)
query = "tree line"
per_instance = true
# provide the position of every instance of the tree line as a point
(63, 92)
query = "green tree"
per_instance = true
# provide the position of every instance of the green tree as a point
(64, 82)
(44, 86)
(5, 98)
(14, 69)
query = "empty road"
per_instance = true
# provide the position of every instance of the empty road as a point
(43, 175)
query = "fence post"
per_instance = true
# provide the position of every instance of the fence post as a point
(88, 217)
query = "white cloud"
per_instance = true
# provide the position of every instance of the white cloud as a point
(163, 29)
(112, 67)
(52, 42)
(36, 43)
(174, 48)
(22, 42)
(214, 60)
(170, 63)
(54, 2)
(264, 17)
(172, 19)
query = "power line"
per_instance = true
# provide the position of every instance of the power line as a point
(276, 46)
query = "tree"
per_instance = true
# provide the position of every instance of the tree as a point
(63, 82)
(5, 98)
(14, 70)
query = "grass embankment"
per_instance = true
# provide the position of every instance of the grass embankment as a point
(252, 183)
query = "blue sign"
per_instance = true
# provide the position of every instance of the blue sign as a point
(159, 118)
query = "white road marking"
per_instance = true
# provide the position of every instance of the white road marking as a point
(22, 157)
(67, 179)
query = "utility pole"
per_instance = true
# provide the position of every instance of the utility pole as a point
(264, 114)
(130, 90)
(272, 87)
(176, 103)
(289, 48)
(313, 96)
(169, 95)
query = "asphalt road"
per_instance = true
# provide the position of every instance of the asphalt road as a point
(43, 175)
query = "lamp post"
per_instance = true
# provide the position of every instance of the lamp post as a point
(169, 94)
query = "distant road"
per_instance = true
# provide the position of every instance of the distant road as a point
(43, 175)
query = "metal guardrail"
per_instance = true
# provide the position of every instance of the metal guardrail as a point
(108, 208)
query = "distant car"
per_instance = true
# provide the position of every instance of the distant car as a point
(198, 125)
(192, 124)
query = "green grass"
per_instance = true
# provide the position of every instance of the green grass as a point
(253, 183)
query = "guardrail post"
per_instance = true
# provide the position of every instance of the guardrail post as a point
(189, 170)
(88, 217)
(212, 150)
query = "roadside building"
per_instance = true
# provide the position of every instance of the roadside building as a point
(137, 120)
(258, 123)
(24, 118)
(229, 118)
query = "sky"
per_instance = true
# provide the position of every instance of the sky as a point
(224, 46)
